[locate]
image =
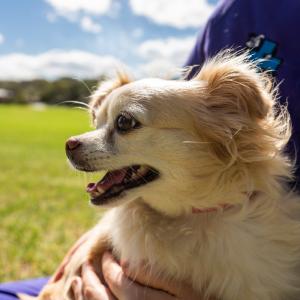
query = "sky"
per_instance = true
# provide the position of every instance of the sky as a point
(87, 38)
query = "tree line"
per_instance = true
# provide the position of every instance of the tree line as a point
(49, 92)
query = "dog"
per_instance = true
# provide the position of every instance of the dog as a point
(197, 185)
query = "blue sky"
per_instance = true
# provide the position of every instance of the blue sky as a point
(85, 38)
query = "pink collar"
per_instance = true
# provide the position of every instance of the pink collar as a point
(222, 206)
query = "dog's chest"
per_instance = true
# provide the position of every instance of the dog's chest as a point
(170, 246)
(200, 249)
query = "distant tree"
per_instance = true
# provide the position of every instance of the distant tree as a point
(51, 92)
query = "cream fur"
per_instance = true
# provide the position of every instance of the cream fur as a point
(218, 138)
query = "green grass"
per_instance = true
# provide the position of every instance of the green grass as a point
(43, 206)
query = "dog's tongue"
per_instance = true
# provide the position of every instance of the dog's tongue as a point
(110, 179)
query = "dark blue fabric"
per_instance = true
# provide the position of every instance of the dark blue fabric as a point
(30, 287)
(235, 22)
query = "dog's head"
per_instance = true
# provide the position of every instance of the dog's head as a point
(180, 144)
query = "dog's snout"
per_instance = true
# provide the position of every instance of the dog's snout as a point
(72, 143)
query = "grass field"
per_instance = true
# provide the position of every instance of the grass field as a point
(43, 205)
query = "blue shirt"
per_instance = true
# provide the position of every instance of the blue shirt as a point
(271, 30)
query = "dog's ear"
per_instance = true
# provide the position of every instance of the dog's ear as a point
(26, 297)
(240, 119)
(236, 86)
(106, 87)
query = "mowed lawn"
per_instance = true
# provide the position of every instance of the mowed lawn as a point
(43, 204)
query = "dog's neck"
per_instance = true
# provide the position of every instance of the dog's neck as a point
(194, 209)
(223, 206)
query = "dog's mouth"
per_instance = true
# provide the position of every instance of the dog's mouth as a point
(116, 182)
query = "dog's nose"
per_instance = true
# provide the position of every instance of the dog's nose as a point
(72, 143)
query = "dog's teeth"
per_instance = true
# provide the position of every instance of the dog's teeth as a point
(95, 194)
(135, 176)
(142, 170)
(100, 190)
(135, 168)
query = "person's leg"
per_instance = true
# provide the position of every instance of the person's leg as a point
(9, 290)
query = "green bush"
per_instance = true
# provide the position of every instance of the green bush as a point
(50, 92)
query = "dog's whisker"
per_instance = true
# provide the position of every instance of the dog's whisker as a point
(84, 83)
(75, 102)
(141, 176)
(144, 179)
(81, 108)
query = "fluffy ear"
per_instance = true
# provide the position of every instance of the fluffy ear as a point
(106, 87)
(242, 120)
(26, 297)
(235, 86)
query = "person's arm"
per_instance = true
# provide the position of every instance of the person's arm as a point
(197, 56)
(60, 270)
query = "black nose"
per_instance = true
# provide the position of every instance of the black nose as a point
(72, 143)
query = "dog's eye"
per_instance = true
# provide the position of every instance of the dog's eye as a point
(126, 122)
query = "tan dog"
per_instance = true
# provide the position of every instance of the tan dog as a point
(196, 184)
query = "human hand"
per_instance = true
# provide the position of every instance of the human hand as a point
(60, 270)
(116, 283)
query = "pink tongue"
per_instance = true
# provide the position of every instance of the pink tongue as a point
(110, 179)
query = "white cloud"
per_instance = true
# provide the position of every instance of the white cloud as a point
(69, 7)
(80, 11)
(56, 63)
(2, 38)
(164, 57)
(87, 24)
(161, 57)
(158, 68)
(175, 49)
(176, 13)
